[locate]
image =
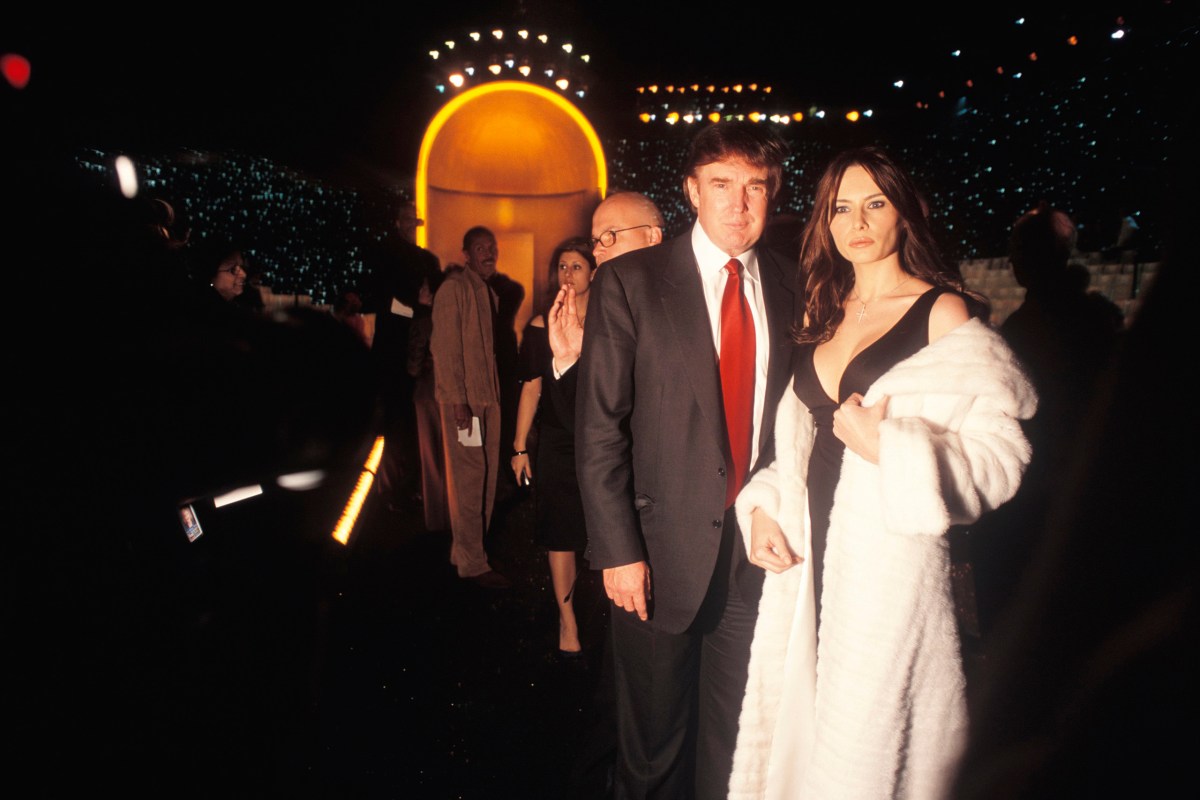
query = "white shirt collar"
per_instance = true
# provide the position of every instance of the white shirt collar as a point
(712, 259)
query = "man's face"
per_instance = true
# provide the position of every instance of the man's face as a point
(407, 223)
(481, 255)
(635, 231)
(731, 201)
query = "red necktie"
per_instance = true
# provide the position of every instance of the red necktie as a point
(737, 365)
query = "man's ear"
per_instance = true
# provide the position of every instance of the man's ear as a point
(655, 234)
(693, 191)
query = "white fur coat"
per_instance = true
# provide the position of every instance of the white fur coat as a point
(878, 710)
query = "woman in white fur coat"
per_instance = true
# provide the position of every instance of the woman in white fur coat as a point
(856, 687)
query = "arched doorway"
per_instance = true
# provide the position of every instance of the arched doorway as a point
(519, 159)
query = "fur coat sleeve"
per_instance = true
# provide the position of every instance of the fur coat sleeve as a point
(879, 710)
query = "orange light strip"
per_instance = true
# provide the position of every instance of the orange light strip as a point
(345, 525)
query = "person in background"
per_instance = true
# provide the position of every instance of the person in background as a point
(1064, 336)
(666, 432)
(468, 391)
(397, 268)
(903, 421)
(623, 222)
(220, 268)
(434, 500)
(559, 510)
(347, 309)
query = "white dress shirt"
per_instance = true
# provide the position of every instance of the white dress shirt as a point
(711, 261)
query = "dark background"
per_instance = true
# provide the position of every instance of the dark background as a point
(345, 93)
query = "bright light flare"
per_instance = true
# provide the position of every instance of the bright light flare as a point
(237, 495)
(16, 69)
(345, 525)
(127, 177)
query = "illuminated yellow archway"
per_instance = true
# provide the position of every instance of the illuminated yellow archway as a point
(518, 159)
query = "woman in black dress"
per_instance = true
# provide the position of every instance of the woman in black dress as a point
(903, 423)
(559, 510)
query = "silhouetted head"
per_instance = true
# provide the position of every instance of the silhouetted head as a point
(1040, 246)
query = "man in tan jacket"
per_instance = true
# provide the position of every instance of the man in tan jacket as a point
(467, 389)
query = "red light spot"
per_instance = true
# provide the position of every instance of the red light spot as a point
(16, 70)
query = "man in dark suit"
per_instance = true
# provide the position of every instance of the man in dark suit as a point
(658, 466)
(397, 269)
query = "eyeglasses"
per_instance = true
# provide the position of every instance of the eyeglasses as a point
(609, 238)
(233, 270)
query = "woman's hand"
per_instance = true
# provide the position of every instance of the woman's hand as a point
(858, 425)
(520, 467)
(564, 329)
(768, 546)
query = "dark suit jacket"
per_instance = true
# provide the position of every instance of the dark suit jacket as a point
(650, 441)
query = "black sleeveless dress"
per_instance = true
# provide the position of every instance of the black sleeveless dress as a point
(558, 505)
(906, 337)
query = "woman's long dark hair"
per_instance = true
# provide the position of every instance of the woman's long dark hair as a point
(827, 279)
(575, 244)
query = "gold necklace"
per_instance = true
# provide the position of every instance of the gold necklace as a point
(862, 312)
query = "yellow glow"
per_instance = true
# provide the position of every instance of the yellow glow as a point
(644, 117)
(671, 89)
(852, 116)
(449, 45)
(448, 110)
(585, 58)
(754, 87)
(494, 69)
(641, 90)
(755, 116)
(456, 80)
(737, 87)
(654, 89)
(673, 117)
(524, 70)
(711, 88)
(345, 525)
(798, 116)
(562, 83)
(714, 117)
(695, 87)
(767, 89)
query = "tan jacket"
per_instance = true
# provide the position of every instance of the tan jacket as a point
(464, 360)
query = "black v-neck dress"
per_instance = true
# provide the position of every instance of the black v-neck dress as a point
(906, 337)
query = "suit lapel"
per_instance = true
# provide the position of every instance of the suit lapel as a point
(685, 309)
(779, 295)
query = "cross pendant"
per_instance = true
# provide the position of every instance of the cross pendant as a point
(862, 312)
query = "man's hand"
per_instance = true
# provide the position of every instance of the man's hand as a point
(564, 329)
(768, 546)
(462, 416)
(628, 587)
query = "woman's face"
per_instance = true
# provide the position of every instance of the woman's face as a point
(574, 270)
(230, 279)
(865, 225)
